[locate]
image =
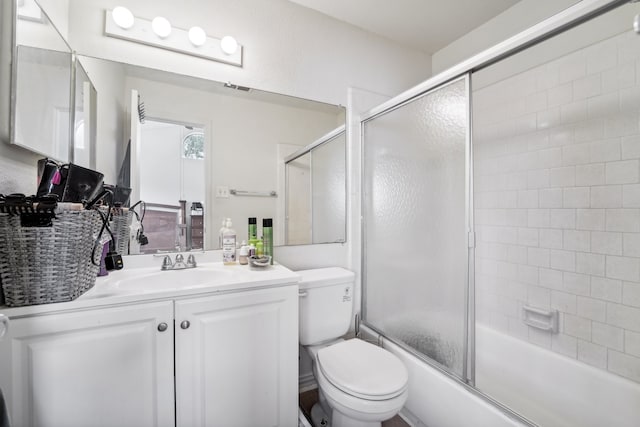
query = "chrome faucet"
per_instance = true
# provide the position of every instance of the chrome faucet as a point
(179, 263)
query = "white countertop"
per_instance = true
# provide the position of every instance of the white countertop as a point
(142, 280)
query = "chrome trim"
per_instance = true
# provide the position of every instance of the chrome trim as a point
(318, 142)
(562, 21)
(467, 215)
(471, 250)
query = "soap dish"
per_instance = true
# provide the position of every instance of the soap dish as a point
(259, 262)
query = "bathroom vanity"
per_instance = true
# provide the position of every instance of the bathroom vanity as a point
(214, 345)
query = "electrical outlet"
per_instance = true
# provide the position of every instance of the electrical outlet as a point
(222, 191)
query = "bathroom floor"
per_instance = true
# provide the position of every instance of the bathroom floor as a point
(308, 398)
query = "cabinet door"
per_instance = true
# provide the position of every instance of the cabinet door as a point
(103, 367)
(237, 360)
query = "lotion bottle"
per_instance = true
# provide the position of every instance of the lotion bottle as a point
(229, 244)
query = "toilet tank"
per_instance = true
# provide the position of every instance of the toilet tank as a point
(326, 304)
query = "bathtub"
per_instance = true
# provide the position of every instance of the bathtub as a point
(549, 389)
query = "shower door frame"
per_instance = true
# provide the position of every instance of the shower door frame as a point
(567, 19)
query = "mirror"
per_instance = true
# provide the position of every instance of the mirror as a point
(41, 90)
(84, 129)
(247, 134)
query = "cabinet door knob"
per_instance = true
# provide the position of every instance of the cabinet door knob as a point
(185, 324)
(162, 327)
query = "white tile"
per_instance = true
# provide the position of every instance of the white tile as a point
(528, 236)
(515, 217)
(627, 48)
(590, 130)
(537, 140)
(527, 160)
(576, 197)
(562, 260)
(630, 99)
(550, 278)
(602, 56)
(587, 87)
(562, 218)
(607, 243)
(528, 274)
(623, 76)
(623, 316)
(632, 343)
(624, 364)
(592, 354)
(518, 329)
(631, 294)
(548, 118)
(539, 178)
(507, 270)
(550, 238)
(592, 264)
(622, 172)
(576, 240)
(564, 302)
(576, 154)
(606, 289)
(631, 244)
(631, 147)
(560, 95)
(516, 181)
(565, 344)
(576, 283)
(607, 335)
(574, 112)
(591, 174)
(539, 218)
(546, 76)
(528, 199)
(591, 308)
(539, 297)
(606, 196)
(590, 219)
(516, 254)
(563, 135)
(607, 150)
(551, 158)
(623, 268)
(538, 101)
(624, 220)
(572, 66)
(577, 327)
(524, 124)
(631, 196)
(550, 197)
(603, 105)
(538, 257)
(562, 177)
(623, 124)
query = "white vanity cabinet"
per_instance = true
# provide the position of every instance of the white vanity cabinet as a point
(237, 359)
(234, 355)
(99, 367)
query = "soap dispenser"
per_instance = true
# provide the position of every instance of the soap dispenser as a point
(229, 244)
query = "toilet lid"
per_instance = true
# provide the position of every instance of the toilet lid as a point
(363, 370)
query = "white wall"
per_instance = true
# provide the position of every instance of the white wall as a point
(517, 18)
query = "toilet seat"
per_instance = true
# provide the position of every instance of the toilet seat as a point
(363, 370)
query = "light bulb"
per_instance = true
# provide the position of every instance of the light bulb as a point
(197, 36)
(122, 17)
(229, 45)
(161, 26)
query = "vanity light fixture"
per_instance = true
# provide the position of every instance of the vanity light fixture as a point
(159, 33)
(229, 45)
(123, 17)
(161, 26)
(197, 36)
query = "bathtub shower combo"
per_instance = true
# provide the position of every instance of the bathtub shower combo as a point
(501, 221)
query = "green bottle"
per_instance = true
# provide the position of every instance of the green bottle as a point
(259, 248)
(267, 235)
(253, 231)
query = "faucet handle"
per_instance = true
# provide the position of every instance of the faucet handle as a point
(166, 263)
(191, 261)
(179, 258)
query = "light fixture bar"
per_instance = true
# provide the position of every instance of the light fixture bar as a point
(177, 41)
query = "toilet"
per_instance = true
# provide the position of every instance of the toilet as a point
(359, 384)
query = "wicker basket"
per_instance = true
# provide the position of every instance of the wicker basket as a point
(41, 265)
(119, 225)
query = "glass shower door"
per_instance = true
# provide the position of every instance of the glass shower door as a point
(415, 204)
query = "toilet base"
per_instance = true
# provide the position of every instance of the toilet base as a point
(318, 417)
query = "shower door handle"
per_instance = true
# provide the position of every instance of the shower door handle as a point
(302, 294)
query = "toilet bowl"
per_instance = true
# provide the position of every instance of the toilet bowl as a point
(359, 384)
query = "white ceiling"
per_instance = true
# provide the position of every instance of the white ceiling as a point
(426, 25)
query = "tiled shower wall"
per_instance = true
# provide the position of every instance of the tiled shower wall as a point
(557, 203)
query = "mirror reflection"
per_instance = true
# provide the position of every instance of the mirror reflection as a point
(42, 74)
(246, 136)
